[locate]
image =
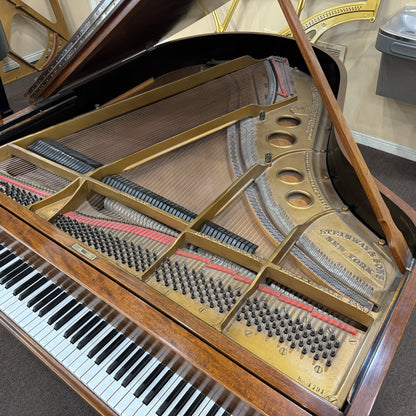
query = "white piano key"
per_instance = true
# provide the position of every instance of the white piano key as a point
(92, 372)
(190, 401)
(56, 308)
(33, 323)
(4, 294)
(48, 329)
(14, 311)
(9, 303)
(23, 280)
(208, 402)
(18, 312)
(30, 273)
(133, 407)
(46, 316)
(22, 315)
(96, 383)
(64, 353)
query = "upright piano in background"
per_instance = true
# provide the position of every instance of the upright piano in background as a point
(204, 247)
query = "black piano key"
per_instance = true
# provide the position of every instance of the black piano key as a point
(76, 325)
(6, 276)
(195, 404)
(40, 295)
(66, 318)
(46, 299)
(226, 413)
(110, 349)
(121, 358)
(91, 335)
(53, 304)
(58, 314)
(6, 258)
(182, 402)
(18, 277)
(128, 364)
(33, 288)
(136, 370)
(26, 284)
(214, 409)
(157, 387)
(172, 396)
(98, 347)
(11, 267)
(85, 328)
(149, 379)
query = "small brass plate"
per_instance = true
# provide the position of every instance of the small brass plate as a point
(84, 251)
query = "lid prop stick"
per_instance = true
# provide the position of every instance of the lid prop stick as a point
(394, 237)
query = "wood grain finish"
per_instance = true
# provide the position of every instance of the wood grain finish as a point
(371, 382)
(190, 346)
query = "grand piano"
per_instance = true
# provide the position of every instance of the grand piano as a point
(204, 247)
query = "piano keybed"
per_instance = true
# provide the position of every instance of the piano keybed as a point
(230, 219)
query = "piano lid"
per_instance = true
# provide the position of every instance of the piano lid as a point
(114, 31)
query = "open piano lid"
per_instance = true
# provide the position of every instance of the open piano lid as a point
(115, 30)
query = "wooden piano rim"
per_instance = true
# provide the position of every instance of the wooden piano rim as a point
(372, 380)
(365, 394)
(383, 354)
(252, 364)
(253, 391)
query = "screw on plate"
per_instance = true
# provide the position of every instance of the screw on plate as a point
(268, 157)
